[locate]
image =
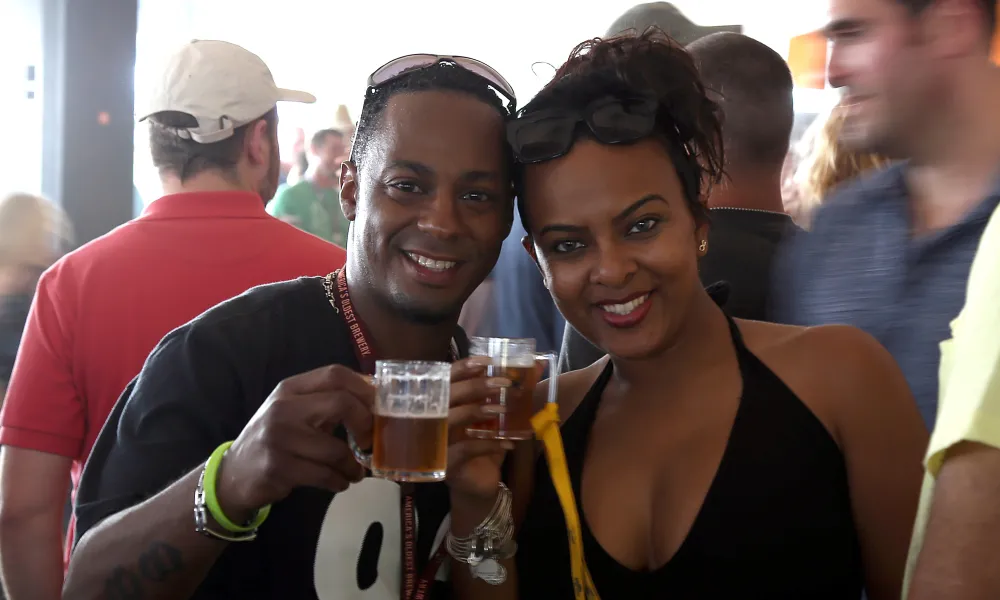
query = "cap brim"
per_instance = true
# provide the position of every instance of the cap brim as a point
(295, 96)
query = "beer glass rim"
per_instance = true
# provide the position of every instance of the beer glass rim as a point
(509, 340)
(430, 367)
(379, 364)
(526, 345)
(501, 347)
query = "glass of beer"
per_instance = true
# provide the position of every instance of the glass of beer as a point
(410, 439)
(514, 359)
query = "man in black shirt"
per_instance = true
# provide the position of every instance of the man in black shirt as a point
(277, 370)
(753, 87)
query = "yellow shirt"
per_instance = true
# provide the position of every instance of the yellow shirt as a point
(969, 392)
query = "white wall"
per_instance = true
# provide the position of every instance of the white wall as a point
(329, 47)
(20, 46)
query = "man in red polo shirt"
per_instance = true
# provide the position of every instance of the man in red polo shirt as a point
(101, 309)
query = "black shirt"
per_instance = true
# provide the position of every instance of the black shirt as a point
(198, 389)
(775, 524)
(742, 246)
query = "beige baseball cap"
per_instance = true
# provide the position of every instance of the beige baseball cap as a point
(222, 85)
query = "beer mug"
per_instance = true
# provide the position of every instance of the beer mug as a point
(410, 436)
(514, 359)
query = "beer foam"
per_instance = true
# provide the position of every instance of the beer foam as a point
(413, 396)
(412, 406)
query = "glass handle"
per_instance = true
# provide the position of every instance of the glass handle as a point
(363, 458)
(553, 362)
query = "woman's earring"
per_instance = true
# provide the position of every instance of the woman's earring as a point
(704, 246)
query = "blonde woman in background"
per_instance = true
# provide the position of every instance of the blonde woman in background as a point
(823, 164)
(34, 233)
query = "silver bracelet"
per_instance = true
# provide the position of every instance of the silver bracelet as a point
(491, 541)
(201, 518)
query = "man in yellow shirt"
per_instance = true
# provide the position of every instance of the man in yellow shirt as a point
(956, 540)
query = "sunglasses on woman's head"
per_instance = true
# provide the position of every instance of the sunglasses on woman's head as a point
(549, 134)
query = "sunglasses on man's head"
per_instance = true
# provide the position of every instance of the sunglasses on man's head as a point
(549, 134)
(404, 65)
(396, 68)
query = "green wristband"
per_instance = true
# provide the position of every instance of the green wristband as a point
(212, 502)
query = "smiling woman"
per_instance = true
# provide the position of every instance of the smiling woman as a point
(710, 457)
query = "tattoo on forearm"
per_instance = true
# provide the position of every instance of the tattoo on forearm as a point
(160, 562)
(155, 565)
(123, 585)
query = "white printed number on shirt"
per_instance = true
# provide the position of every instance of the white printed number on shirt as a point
(358, 553)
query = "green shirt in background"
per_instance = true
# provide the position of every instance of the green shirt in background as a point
(313, 210)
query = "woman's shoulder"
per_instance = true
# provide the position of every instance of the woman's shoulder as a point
(823, 349)
(839, 372)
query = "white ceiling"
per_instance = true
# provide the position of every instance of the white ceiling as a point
(330, 46)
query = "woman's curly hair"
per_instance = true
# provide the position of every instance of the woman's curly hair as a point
(688, 122)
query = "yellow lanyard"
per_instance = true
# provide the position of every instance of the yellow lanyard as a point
(546, 425)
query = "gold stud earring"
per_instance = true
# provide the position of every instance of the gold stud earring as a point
(704, 246)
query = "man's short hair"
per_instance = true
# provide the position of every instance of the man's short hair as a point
(440, 77)
(989, 10)
(185, 157)
(753, 86)
(319, 138)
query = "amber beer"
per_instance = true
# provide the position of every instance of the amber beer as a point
(518, 402)
(410, 438)
(514, 359)
(409, 448)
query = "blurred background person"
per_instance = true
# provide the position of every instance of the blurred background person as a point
(292, 171)
(789, 188)
(667, 17)
(313, 204)
(956, 539)
(101, 309)
(343, 123)
(520, 306)
(825, 164)
(34, 233)
(890, 252)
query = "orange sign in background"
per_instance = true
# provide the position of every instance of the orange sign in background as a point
(995, 54)
(807, 60)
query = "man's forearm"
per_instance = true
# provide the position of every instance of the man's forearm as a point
(960, 556)
(149, 552)
(31, 557)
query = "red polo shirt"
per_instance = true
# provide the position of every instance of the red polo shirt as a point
(100, 310)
